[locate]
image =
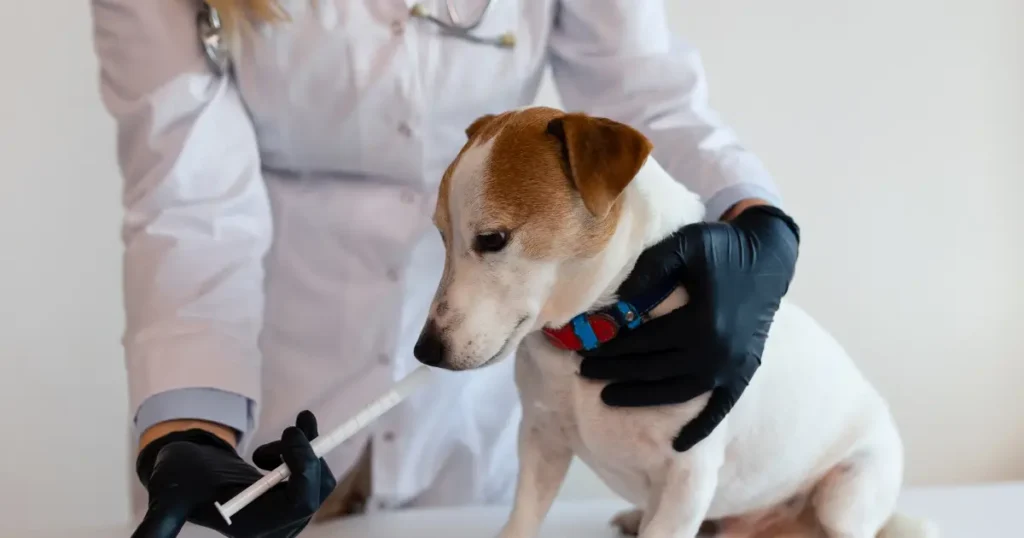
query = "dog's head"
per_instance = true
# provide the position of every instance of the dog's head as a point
(524, 210)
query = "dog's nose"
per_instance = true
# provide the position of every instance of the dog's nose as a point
(429, 348)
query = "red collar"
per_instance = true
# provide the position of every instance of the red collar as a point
(589, 330)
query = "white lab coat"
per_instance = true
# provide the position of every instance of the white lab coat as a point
(279, 253)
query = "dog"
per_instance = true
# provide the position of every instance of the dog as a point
(543, 214)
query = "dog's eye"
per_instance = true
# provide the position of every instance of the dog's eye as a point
(490, 242)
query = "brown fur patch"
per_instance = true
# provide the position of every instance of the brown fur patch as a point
(538, 183)
(557, 192)
(478, 124)
(527, 190)
(481, 130)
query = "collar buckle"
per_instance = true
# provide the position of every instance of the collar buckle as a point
(590, 330)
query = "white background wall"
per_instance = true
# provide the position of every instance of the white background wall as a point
(893, 127)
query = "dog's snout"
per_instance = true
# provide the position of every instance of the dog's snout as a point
(430, 348)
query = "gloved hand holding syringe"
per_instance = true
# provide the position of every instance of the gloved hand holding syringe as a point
(326, 443)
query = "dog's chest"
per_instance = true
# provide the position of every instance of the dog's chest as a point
(626, 447)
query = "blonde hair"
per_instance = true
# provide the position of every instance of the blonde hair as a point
(232, 12)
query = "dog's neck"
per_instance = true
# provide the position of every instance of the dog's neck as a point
(654, 205)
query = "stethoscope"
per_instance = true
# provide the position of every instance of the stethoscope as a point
(210, 27)
(460, 29)
(210, 31)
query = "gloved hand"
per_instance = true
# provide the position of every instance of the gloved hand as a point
(736, 273)
(186, 472)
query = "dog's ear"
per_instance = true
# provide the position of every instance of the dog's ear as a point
(602, 157)
(478, 124)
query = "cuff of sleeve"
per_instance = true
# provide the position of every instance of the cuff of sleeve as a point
(212, 405)
(722, 200)
(222, 374)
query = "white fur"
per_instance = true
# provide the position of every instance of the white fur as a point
(809, 432)
(490, 302)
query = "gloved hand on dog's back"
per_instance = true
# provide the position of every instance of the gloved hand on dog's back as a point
(736, 273)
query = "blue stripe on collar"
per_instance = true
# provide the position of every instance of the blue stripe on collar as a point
(589, 330)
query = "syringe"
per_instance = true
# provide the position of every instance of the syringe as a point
(326, 443)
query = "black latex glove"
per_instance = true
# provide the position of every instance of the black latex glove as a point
(736, 273)
(186, 472)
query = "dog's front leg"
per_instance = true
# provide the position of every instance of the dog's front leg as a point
(687, 488)
(544, 459)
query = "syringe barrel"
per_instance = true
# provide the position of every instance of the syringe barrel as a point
(326, 443)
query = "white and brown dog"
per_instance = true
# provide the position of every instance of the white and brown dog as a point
(543, 215)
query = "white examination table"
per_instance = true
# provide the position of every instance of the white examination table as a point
(982, 511)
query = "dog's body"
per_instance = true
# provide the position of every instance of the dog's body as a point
(809, 450)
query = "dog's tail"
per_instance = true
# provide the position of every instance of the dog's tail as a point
(905, 526)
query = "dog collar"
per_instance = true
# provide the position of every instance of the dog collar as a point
(589, 330)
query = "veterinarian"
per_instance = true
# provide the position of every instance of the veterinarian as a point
(279, 181)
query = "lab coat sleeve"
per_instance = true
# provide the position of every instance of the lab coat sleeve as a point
(618, 59)
(196, 219)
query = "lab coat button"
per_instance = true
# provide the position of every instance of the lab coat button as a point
(393, 275)
(404, 129)
(389, 436)
(398, 27)
(383, 358)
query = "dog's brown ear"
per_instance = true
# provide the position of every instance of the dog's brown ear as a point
(478, 124)
(602, 157)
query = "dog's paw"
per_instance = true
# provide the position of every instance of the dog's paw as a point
(628, 521)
